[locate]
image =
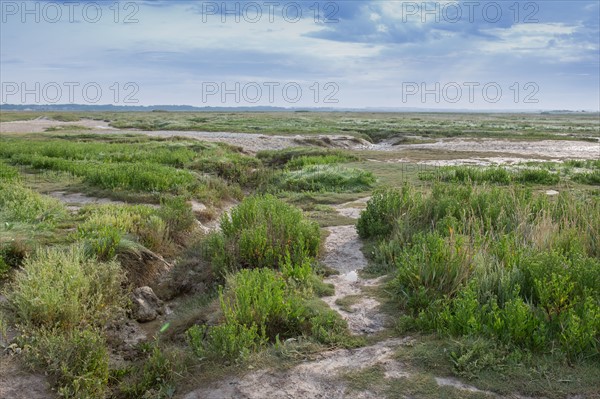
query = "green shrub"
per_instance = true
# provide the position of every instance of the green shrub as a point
(379, 218)
(177, 214)
(536, 176)
(592, 178)
(63, 288)
(259, 307)
(432, 268)
(8, 173)
(233, 167)
(155, 377)
(504, 263)
(77, 359)
(103, 242)
(326, 178)
(259, 232)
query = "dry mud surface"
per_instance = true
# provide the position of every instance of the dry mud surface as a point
(41, 124)
(318, 379)
(257, 142)
(15, 383)
(554, 149)
(513, 151)
(343, 253)
(74, 201)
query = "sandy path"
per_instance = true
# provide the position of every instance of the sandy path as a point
(343, 253)
(317, 379)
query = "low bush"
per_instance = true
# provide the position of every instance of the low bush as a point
(76, 359)
(177, 213)
(105, 226)
(379, 217)
(259, 307)
(12, 254)
(536, 176)
(21, 204)
(8, 173)
(155, 377)
(259, 232)
(63, 288)
(432, 268)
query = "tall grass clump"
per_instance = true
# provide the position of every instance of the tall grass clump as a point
(432, 268)
(493, 175)
(259, 232)
(104, 226)
(592, 178)
(326, 178)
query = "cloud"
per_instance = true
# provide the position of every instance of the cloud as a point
(372, 49)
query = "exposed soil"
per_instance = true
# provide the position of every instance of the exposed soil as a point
(252, 142)
(318, 379)
(343, 253)
(41, 124)
(75, 201)
(17, 383)
(555, 149)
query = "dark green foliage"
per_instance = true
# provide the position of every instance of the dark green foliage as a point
(592, 178)
(494, 175)
(325, 178)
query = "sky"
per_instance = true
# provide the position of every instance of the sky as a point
(474, 55)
